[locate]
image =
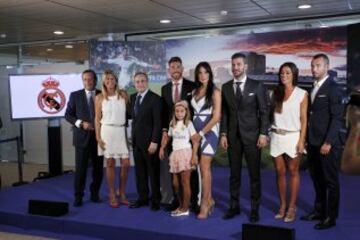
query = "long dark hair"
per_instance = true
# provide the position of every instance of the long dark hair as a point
(210, 85)
(279, 92)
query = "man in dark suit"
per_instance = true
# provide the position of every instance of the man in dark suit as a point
(146, 131)
(175, 90)
(324, 143)
(244, 125)
(80, 112)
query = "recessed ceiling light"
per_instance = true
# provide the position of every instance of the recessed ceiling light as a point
(3, 35)
(49, 49)
(323, 25)
(165, 21)
(58, 32)
(69, 46)
(223, 12)
(304, 6)
(9, 67)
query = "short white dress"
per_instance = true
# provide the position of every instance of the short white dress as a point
(113, 128)
(180, 158)
(288, 120)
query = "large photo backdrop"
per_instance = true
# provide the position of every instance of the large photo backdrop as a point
(266, 52)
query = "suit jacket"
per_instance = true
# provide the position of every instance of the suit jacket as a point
(326, 115)
(78, 108)
(146, 126)
(249, 118)
(167, 99)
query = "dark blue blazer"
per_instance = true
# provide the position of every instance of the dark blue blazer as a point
(78, 108)
(146, 125)
(326, 115)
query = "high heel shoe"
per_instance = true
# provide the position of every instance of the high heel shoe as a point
(290, 215)
(123, 200)
(281, 213)
(204, 214)
(113, 201)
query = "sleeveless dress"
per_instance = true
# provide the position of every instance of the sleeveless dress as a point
(288, 120)
(113, 128)
(202, 116)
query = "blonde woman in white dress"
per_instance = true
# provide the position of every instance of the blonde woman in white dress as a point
(110, 125)
(289, 121)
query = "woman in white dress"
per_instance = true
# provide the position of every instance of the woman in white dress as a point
(289, 120)
(110, 126)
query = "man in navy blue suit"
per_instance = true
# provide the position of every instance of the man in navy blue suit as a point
(324, 145)
(80, 112)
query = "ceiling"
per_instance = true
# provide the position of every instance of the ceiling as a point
(32, 22)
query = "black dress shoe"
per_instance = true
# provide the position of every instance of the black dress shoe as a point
(231, 213)
(195, 208)
(95, 199)
(326, 224)
(173, 206)
(313, 216)
(78, 202)
(138, 204)
(154, 206)
(254, 216)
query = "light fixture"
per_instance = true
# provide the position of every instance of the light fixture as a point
(304, 6)
(58, 32)
(49, 49)
(9, 67)
(3, 35)
(223, 12)
(165, 21)
(69, 46)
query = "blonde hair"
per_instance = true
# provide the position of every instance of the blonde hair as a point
(119, 92)
(186, 120)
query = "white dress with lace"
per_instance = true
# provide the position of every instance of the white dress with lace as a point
(113, 128)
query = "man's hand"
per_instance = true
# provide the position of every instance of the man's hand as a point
(325, 149)
(224, 142)
(262, 141)
(152, 147)
(88, 126)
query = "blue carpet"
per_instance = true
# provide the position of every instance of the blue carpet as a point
(100, 221)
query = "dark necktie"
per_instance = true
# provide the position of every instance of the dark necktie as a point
(238, 93)
(91, 106)
(177, 93)
(137, 104)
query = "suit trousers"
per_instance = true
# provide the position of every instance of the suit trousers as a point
(324, 171)
(82, 156)
(147, 167)
(252, 157)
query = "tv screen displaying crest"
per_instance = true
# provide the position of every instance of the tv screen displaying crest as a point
(41, 96)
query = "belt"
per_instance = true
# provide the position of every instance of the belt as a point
(114, 125)
(282, 131)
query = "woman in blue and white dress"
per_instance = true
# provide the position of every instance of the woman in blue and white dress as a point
(206, 103)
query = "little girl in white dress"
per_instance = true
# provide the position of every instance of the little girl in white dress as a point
(183, 156)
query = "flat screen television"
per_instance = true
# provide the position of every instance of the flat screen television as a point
(41, 96)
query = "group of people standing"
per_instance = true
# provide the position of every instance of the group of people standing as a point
(195, 116)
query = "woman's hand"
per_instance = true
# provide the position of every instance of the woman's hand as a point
(300, 147)
(194, 160)
(101, 144)
(196, 137)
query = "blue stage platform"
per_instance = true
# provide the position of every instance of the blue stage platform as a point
(99, 221)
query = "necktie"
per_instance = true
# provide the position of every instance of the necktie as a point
(137, 104)
(238, 93)
(91, 106)
(177, 94)
(314, 91)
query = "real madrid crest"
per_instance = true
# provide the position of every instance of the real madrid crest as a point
(51, 99)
